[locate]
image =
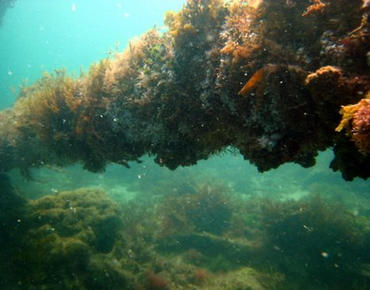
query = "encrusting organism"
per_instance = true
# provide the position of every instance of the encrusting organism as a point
(257, 76)
(356, 123)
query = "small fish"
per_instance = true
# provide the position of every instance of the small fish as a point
(258, 77)
(255, 79)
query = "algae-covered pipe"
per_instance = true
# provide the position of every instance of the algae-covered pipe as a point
(267, 78)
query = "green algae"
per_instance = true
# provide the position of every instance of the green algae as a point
(82, 239)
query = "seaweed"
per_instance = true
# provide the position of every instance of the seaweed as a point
(67, 233)
(201, 237)
(13, 223)
(179, 95)
(206, 210)
(356, 122)
(316, 240)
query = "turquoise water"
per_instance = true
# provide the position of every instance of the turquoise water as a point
(39, 35)
(139, 205)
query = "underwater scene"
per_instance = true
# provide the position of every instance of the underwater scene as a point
(185, 144)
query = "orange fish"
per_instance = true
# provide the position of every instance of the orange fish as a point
(255, 79)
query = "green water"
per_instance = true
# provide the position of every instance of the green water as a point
(161, 228)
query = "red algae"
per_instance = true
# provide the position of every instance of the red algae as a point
(156, 282)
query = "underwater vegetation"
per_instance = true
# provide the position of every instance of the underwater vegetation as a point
(317, 240)
(13, 223)
(268, 78)
(275, 80)
(356, 121)
(206, 209)
(66, 241)
(82, 239)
